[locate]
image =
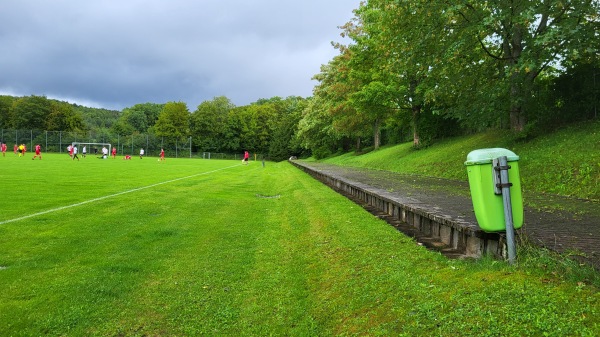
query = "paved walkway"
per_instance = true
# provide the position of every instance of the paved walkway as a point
(565, 225)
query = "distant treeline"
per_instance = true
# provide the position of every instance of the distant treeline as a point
(267, 127)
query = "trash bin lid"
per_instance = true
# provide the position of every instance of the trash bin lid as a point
(486, 156)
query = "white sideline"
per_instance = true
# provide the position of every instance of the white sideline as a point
(112, 195)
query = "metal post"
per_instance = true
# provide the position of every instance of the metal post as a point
(508, 217)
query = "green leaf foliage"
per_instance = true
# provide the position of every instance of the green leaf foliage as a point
(30, 112)
(173, 121)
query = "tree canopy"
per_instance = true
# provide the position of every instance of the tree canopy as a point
(173, 121)
(471, 64)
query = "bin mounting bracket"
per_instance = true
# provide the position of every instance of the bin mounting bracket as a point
(496, 169)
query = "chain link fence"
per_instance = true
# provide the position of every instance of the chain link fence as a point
(57, 142)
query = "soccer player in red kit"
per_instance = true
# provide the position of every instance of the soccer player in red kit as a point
(246, 157)
(3, 147)
(114, 152)
(38, 152)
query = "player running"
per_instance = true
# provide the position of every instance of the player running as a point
(75, 153)
(38, 152)
(246, 157)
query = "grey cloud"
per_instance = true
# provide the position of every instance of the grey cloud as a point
(121, 52)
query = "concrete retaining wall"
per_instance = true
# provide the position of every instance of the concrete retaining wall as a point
(464, 237)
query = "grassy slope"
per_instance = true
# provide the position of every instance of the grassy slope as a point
(566, 162)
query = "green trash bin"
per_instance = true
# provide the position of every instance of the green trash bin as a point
(487, 198)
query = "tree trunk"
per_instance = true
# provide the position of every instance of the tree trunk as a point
(377, 134)
(416, 110)
(516, 115)
(358, 144)
(517, 118)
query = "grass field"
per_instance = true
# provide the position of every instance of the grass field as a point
(206, 247)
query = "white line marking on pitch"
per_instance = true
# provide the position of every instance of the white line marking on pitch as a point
(112, 195)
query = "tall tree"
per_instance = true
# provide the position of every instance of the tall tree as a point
(373, 95)
(208, 123)
(6, 103)
(315, 130)
(398, 35)
(256, 123)
(284, 143)
(173, 121)
(63, 117)
(523, 38)
(333, 92)
(30, 112)
(138, 118)
(230, 140)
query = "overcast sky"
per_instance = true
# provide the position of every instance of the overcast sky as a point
(116, 53)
